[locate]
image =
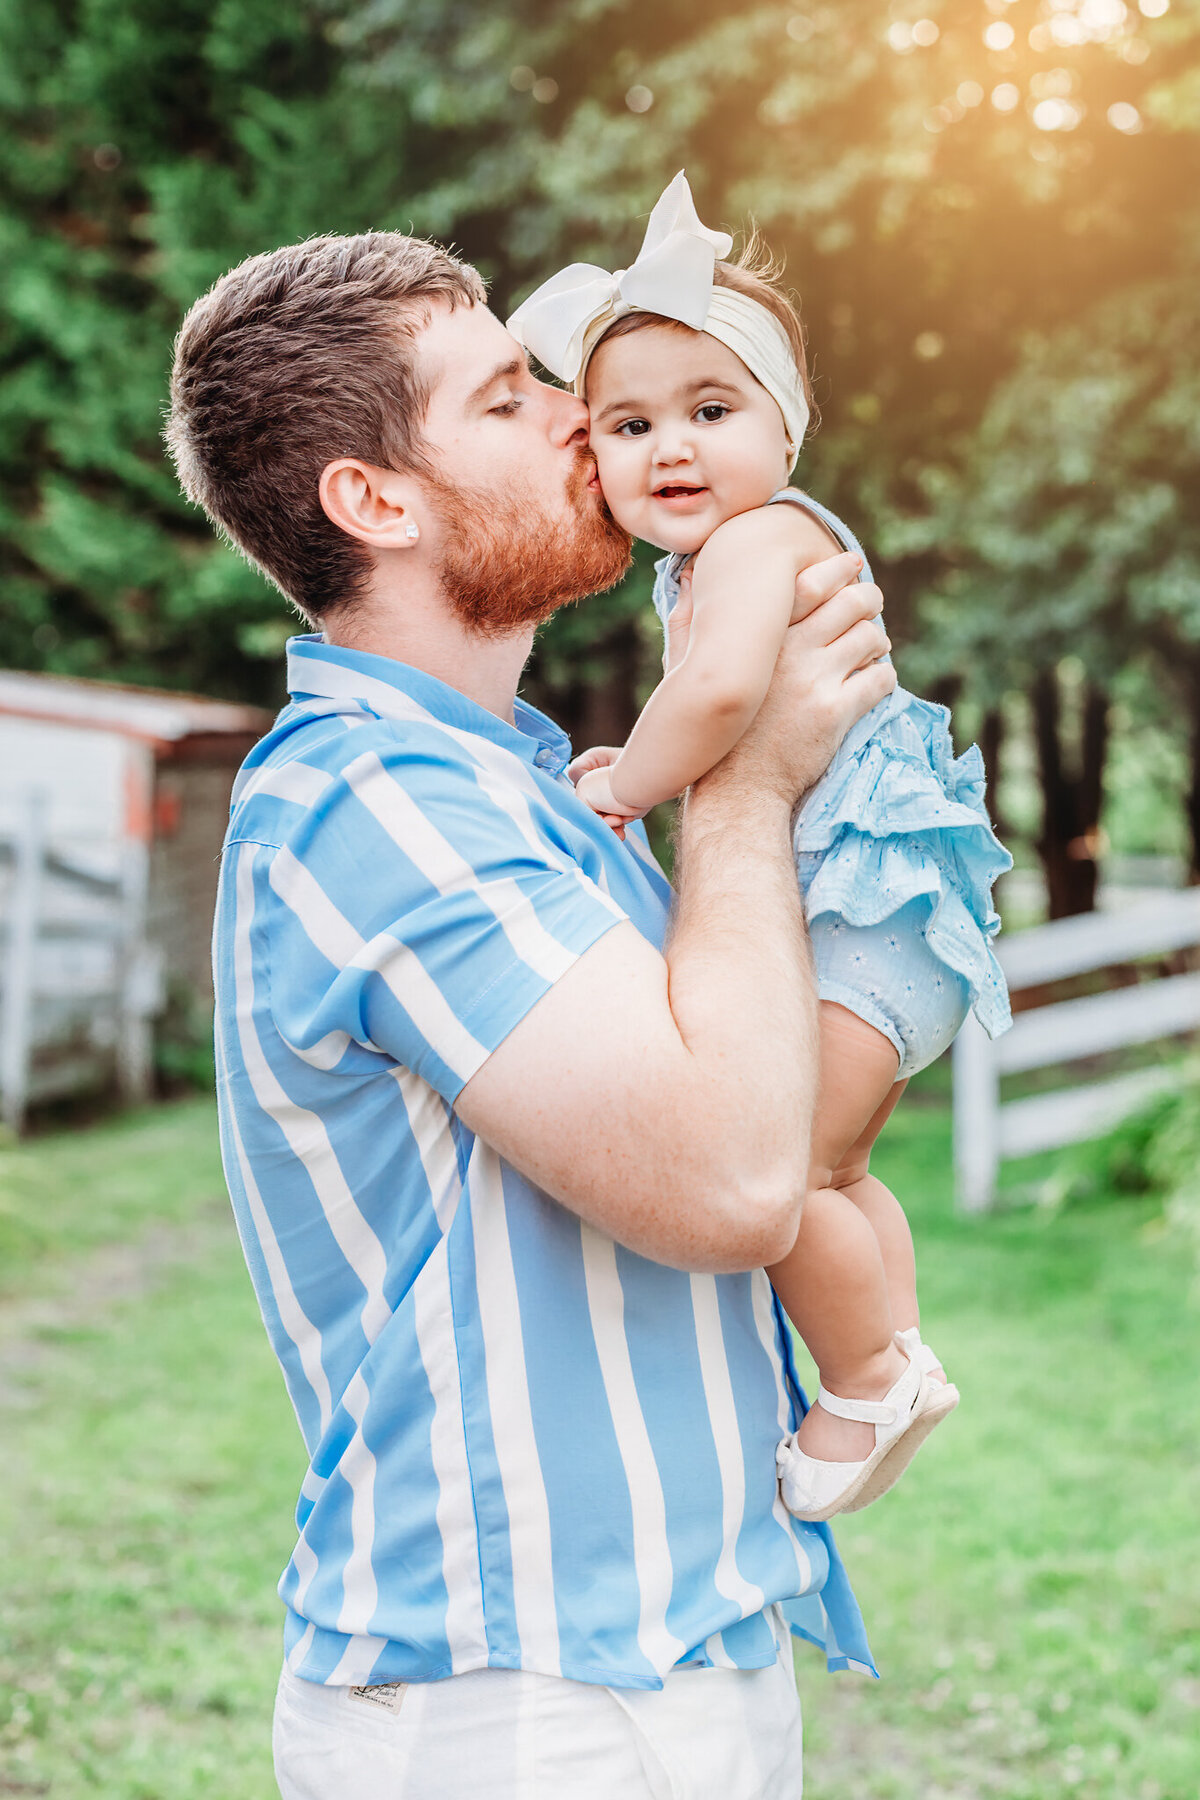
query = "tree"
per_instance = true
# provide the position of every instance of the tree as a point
(924, 178)
(147, 147)
(1073, 529)
(953, 188)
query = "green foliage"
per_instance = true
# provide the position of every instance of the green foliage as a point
(1118, 1165)
(144, 150)
(1001, 314)
(928, 237)
(183, 1042)
(1154, 1152)
(1073, 519)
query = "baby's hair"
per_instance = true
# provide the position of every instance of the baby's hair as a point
(757, 273)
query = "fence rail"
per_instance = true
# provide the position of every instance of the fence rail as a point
(79, 984)
(985, 1131)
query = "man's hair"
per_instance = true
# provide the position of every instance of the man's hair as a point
(293, 359)
(758, 274)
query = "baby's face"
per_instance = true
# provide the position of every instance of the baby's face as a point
(684, 436)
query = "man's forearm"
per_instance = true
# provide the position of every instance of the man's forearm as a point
(741, 985)
(667, 1100)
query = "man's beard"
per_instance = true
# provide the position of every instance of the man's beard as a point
(508, 564)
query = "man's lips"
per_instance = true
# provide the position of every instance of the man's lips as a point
(586, 476)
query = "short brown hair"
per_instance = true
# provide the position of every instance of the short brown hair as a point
(293, 359)
(758, 274)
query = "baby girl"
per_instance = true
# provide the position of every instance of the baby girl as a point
(694, 372)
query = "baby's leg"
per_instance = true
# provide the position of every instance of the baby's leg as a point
(886, 1217)
(848, 1282)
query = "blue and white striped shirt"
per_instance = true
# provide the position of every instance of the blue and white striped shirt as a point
(529, 1447)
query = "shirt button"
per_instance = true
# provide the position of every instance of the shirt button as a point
(545, 758)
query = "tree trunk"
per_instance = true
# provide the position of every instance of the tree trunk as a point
(945, 691)
(609, 707)
(1071, 798)
(991, 748)
(602, 708)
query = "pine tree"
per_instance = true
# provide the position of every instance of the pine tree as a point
(146, 147)
(969, 221)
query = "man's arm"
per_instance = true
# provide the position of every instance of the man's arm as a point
(667, 1099)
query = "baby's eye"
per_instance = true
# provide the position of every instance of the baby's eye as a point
(712, 411)
(633, 428)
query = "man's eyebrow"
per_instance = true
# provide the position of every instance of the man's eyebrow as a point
(691, 387)
(516, 365)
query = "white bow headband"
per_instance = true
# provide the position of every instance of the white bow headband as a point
(564, 319)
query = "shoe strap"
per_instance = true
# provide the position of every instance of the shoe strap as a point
(862, 1412)
(911, 1343)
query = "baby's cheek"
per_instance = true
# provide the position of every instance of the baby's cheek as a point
(607, 463)
(618, 483)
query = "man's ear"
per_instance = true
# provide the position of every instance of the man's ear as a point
(379, 507)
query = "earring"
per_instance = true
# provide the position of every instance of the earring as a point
(412, 531)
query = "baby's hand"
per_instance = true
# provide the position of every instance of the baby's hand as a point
(590, 773)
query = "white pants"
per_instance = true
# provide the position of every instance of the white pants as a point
(499, 1734)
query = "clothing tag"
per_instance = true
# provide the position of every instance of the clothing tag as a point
(386, 1694)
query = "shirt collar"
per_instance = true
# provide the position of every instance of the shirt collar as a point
(322, 671)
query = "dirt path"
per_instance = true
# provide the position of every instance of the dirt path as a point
(86, 1289)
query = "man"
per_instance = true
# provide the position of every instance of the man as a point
(507, 1170)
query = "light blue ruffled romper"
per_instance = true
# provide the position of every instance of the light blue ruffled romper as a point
(896, 858)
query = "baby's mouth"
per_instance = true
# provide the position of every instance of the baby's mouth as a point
(678, 490)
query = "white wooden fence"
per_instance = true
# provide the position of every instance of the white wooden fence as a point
(79, 984)
(986, 1131)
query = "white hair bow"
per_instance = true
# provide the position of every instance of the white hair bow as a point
(673, 276)
(563, 321)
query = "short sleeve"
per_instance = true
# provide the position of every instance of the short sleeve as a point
(666, 586)
(421, 907)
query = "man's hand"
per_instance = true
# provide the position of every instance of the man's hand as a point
(827, 677)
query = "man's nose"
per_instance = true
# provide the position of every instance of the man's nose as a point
(568, 418)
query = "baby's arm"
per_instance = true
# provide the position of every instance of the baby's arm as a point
(743, 598)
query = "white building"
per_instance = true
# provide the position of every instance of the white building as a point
(113, 804)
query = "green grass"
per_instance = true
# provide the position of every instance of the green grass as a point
(1031, 1587)
(79, 1190)
(1032, 1595)
(151, 1466)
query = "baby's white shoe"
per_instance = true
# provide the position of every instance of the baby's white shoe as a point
(910, 1342)
(903, 1419)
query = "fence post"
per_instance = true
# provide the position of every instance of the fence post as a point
(976, 1117)
(17, 987)
(139, 982)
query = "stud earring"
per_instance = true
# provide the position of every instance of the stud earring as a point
(412, 531)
